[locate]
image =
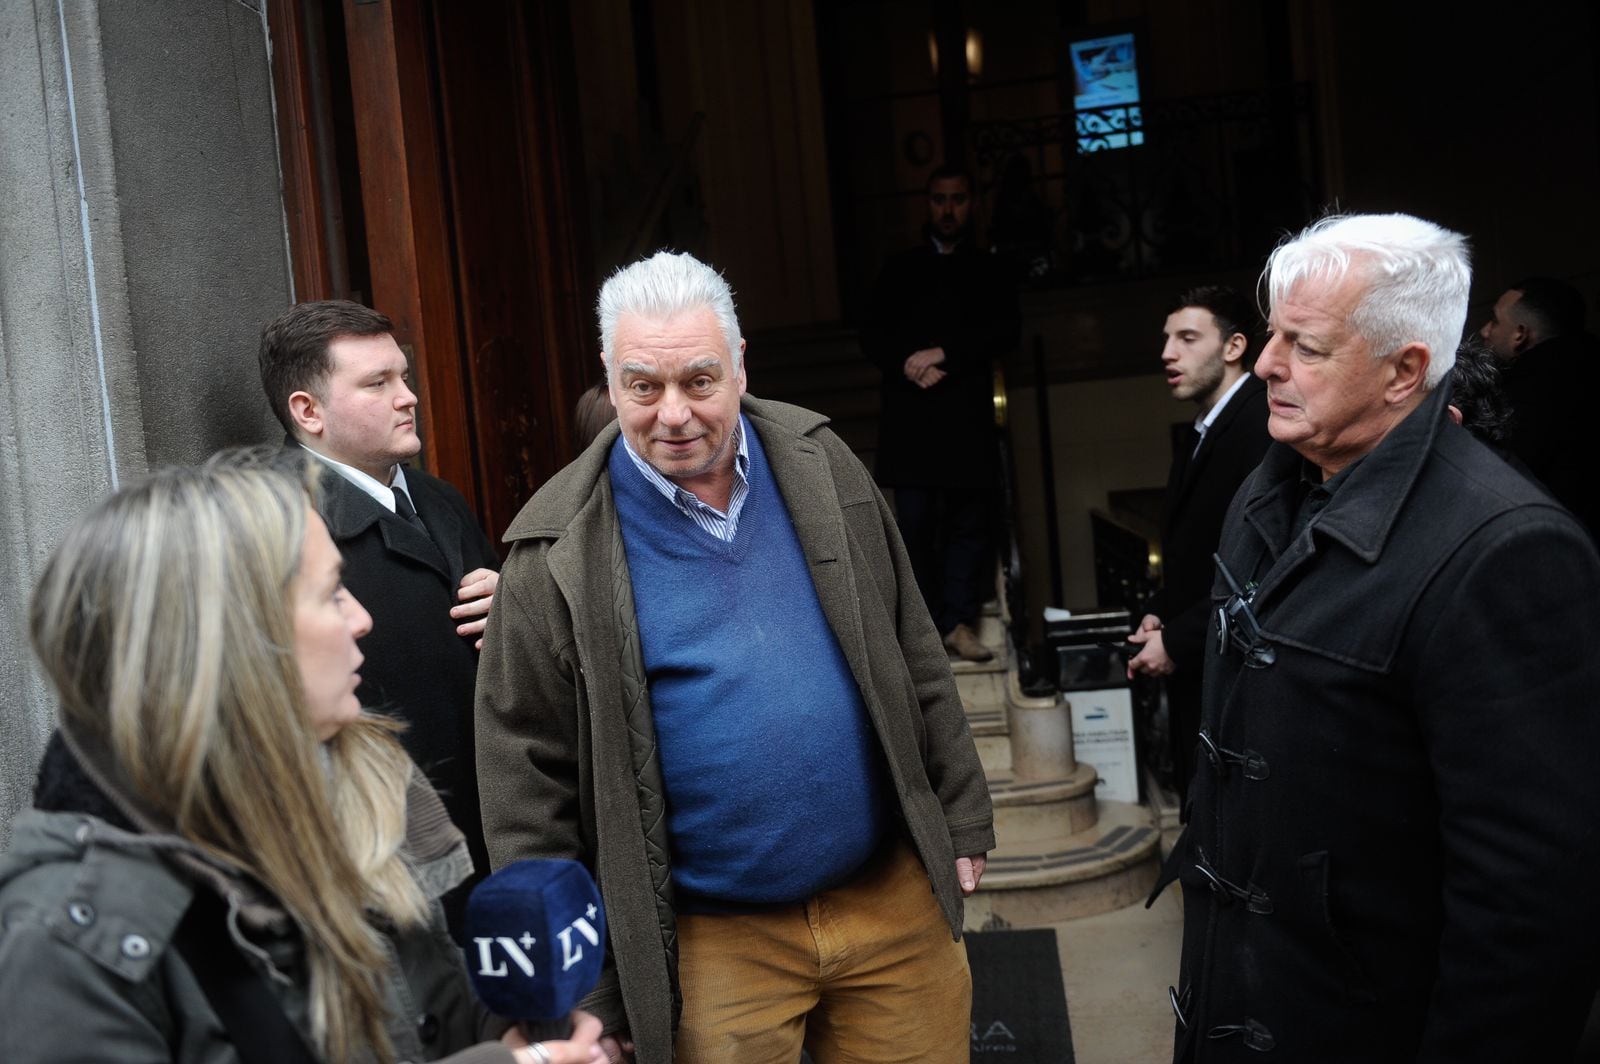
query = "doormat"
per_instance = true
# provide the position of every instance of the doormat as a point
(1019, 1007)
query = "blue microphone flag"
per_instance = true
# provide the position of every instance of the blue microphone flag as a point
(535, 939)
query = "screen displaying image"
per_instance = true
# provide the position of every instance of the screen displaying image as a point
(1105, 72)
(1105, 76)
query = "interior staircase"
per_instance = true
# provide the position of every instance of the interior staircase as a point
(1061, 853)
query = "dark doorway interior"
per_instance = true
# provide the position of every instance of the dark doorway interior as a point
(429, 173)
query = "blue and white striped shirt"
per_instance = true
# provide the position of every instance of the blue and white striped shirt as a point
(711, 520)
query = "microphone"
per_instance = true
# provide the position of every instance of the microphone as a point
(535, 938)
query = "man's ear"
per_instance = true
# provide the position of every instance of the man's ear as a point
(743, 374)
(1408, 368)
(305, 410)
(1234, 349)
(1521, 338)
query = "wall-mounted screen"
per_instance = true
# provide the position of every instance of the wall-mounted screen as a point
(1105, 74)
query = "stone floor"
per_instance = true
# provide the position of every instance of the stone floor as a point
(1117, 967)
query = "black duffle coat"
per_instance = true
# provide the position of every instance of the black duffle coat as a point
(1395, 836)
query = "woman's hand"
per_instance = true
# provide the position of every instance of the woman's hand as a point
(583, 1047)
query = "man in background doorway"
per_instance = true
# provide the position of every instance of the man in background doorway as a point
(1206, 362)
(941, 313)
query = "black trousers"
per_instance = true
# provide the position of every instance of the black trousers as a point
(1183, 723)
(948, 533)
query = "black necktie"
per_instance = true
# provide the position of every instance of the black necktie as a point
(407, 512)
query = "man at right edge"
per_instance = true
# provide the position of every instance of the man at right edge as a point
(1395, 831)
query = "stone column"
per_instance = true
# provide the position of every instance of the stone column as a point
(141, 247)
(1041, 735)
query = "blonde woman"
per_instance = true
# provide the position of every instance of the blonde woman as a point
(228, 859)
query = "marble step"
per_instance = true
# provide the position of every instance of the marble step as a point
(982, 690)
(983, 694)
(983, 697)
(994, 752)
(1040, 881)
(991, 633)
(1029, 811)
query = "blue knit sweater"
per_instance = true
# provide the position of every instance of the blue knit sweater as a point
(773, 774)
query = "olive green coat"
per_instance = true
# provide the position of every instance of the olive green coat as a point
(566, 745)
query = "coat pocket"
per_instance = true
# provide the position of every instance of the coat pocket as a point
(1315, 880)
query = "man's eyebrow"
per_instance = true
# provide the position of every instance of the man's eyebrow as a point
(695, 365)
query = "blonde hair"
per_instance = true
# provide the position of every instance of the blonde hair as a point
(165, 622)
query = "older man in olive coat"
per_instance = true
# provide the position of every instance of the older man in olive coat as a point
(709, 675)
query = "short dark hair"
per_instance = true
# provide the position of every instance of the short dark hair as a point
(947, 172)
(591, 413)
(1232, 311)
(294, 347)
(1475, 391)
(1551, 306)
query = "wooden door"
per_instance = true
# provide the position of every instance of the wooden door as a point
(461, 220)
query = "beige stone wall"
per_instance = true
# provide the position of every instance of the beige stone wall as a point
(141, 246)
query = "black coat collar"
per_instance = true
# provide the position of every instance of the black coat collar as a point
(1362, 514)
(1188, 467)
(349, 512)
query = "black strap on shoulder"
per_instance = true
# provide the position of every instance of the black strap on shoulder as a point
(238, 993)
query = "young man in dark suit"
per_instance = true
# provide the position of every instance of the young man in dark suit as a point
(1207, 340)
(414, 553)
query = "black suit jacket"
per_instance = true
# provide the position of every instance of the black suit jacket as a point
(1550, 429)
(417, 668)
(943, 436)
(1199, 490)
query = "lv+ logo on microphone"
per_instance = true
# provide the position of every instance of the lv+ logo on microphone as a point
(517, 948)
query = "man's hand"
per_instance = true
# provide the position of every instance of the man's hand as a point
(476, 593)
(921, 368)
(618, 1049)
(969, 870)
(1152, 660)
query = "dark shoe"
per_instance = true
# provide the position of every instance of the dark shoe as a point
(963, 642)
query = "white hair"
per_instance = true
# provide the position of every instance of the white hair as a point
(662, 286)
(1417, 275)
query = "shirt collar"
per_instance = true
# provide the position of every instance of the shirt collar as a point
(1210, 416)
(381, 493)
(741, 465)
